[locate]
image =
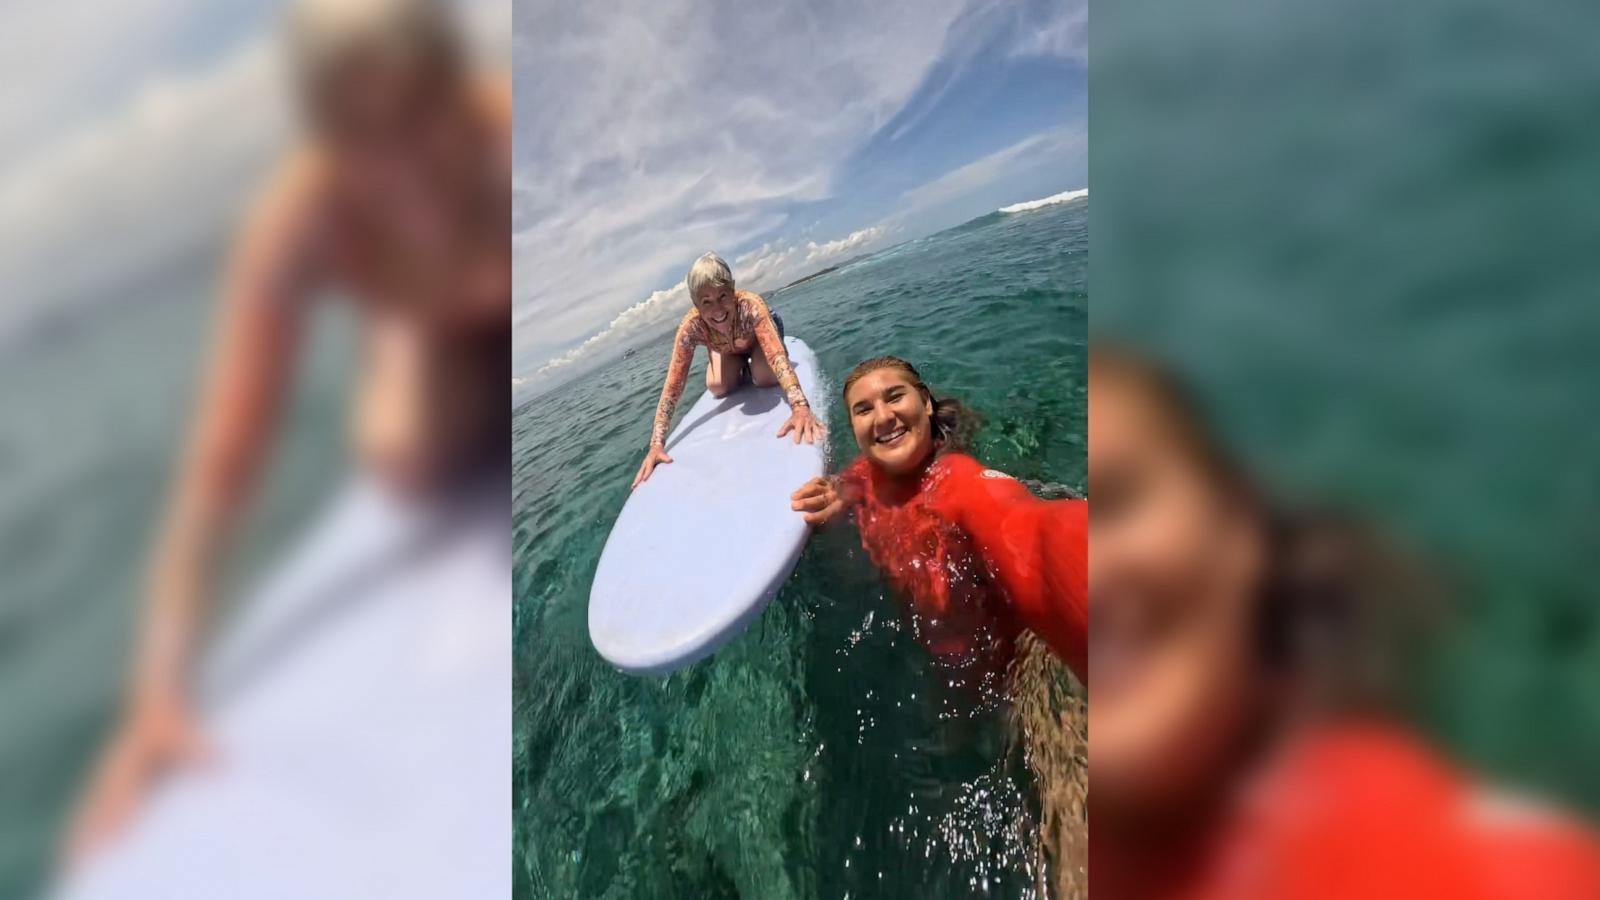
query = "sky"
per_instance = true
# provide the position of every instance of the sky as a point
(786, 137)
(144, 128)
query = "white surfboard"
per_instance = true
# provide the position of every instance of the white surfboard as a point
(702, 546)
(360, 710)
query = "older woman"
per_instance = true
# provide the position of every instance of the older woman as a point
(740, 335)
(396, 198)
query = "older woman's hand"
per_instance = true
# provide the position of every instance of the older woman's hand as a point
(655, 457)
(806, 427)
(159, 736)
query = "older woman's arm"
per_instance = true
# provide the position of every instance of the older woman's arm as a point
(802, 422)
(252, 357)
(671, 391)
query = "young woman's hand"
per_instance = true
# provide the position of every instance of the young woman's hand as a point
(159, 736)
(655, 457)
(819, 500)
(806, 427)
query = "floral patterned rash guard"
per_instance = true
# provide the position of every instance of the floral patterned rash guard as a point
(752, 326)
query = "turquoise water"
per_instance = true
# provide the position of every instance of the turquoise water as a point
(96, 407)
(1367, 229)
(820, 754)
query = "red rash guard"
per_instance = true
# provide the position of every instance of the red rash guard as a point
(1361, 811)
(980, 529)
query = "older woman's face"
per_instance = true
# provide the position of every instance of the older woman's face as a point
(1174, 564)
(392, 129)
(716, 303)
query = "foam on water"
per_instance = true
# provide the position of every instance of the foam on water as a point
(1053, 199)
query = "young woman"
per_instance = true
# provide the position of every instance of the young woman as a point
(963, 542)
(994, 575)
(1241, 746)
(740, 335)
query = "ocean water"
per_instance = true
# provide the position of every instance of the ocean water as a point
(97, 404)
(819, 754)
(1367, 230)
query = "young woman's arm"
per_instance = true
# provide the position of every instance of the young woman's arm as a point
(802, 422)
(677, 376)
(252, 357)
(1037, 550)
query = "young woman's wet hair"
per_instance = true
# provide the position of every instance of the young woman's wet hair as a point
(954, 424)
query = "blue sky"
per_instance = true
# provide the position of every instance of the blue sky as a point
(784, 136)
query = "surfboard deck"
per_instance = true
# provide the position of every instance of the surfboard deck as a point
(360, 709)
(702, 546)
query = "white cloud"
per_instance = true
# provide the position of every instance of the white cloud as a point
(156, 169)
(764, 269)
(66, 61)
(772, 266)
(164, 172)
(1066, 34)
(646, 138)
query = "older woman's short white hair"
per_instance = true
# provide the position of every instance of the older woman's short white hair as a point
(708, 270)
(325, 35)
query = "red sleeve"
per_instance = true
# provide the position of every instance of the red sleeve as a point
(1532, 852)
(1369, 810)
(1037, 550)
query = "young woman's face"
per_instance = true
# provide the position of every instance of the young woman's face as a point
(1174, 565)
(891, 419)
(716, 303)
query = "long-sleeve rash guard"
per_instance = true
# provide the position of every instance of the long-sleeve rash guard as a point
(1035, 551)
(752, 326)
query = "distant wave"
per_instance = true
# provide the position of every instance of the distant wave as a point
(1063, 197)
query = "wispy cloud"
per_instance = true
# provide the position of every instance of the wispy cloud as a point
(65, 62)
(1066, 34)
(152, 147)
(164, 171)
(646, 137)
(1048, 148)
